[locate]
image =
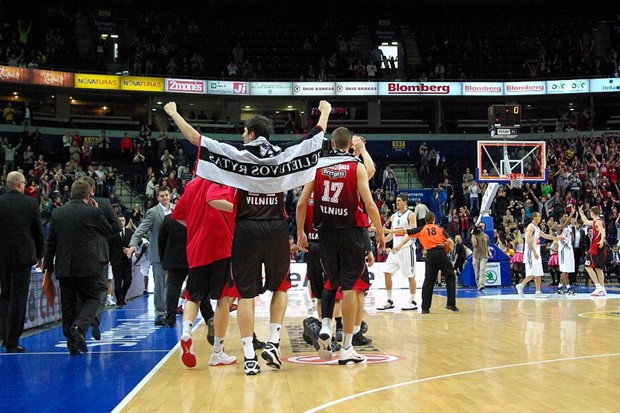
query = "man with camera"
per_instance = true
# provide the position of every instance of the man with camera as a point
(480, 242)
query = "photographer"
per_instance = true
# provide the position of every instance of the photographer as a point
(480, 242)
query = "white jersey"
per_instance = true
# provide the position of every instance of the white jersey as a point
(405, 259)
(533, 266)
(565, 254)
(401, 221)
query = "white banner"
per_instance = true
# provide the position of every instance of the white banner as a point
(356, 88)
(271, 88)
(568, 86)
(314, 89)
(605, 85)
(221, 87)
(494, 274)
(186, 86)
(524, 88)
(419, 88)
(483, 88)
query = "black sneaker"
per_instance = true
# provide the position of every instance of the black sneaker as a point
(311, 331)
(452, 308)
(360, 340)
(257, 343)
(569, 291)
(251, 366)
(559, 291)
(78, 336)
(364, 327)
(271, 354)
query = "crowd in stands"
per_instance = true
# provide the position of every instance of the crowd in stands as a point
(168, 42)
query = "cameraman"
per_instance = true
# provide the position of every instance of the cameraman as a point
(480, 242)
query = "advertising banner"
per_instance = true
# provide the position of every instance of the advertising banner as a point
(52, 78)
(605, 85)
(494, 274)
(314, 89)
(186, 86)
(38, 310)
(271, 88)
(568, 86)
(525, 88)
(222, 87)
(399, 146)
(483, 89)
(142, 84)
(420, 88)
(14, 74)
(88, 81)
(356, 88)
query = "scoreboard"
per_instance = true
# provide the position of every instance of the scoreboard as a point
(504, 117)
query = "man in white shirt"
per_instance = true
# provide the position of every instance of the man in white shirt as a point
(420, 213)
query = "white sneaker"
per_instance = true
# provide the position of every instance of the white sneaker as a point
(188, 357)
(519, 288)
(221, 359)
(539, 294)
(599, 292)
(325, 343)
(110, 301)
(350, 356)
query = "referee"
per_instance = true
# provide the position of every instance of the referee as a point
(433, 239)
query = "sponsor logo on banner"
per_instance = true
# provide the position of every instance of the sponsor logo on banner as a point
(271, 88)
(399, 146)
(227, 88)
(356, 88)
(524, 88)
(314, 88)
(87, 81)
(186, 86)
(420, 88)
(142, 84)
(52, 78)
(493, 274)
(568, 86)
(14, 74)
(605, 85)
(482, 89)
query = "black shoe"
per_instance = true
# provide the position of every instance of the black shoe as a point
(16, 349)
(75, 352)
(145, 293)
(364, 327)
(211, 331)
(452, 308)
(310, 334)
(95, 331)
(78, 336)
(171, 324)
(160, 321)
(426, 311)
(258, 345)
(119, 306)
(360, 340)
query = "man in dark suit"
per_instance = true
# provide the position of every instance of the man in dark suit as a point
(72, 239)
(580, 245)
(103, 252)
(150, 223)
(171, 243)
(21, 245)
(121, 265)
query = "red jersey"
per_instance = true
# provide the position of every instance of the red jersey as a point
(209, 230)
(250, 205)
(596, 237)
(336, 200)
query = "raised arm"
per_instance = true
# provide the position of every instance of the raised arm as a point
(325, 108)
(359, 145)
(585, 220)
(186, 129)
(371, 207)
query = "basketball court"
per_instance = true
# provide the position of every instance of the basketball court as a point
(500, 353)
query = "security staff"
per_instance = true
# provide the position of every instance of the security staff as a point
(434, 240)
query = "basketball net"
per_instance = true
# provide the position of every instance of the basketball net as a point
(516, 179)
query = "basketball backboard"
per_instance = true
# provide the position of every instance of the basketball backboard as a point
(499, 160)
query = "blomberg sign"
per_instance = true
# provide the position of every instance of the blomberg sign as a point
(186, 86)
(420, 88)
(524, 88)
(483, 88)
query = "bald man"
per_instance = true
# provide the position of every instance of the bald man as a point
(21, 246)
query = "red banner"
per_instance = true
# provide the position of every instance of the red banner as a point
(14, 74)
(52, 78)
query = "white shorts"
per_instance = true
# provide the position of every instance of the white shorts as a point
(533, 267)
(567, 261)
(403, 261)
(110, 273)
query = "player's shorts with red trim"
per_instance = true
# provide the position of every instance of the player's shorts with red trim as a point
(256, 243)
(343, 254)
(314, 269)
(597, 261)
(208, 281)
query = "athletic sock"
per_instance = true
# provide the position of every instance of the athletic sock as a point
(218, 344)
(356, 329)
(389, 295)
(274, 332)
(248, 347)
(187, 327)
(412, 297)
(348, 339)
(338, 323)
(568, 285)
(560, 285)
(326, 323)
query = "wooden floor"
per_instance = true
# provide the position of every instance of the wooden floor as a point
(500, 353)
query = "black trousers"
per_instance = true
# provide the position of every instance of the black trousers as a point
(174, 282)
(578, 254)
(122, 281)
(14, 285)
(79, 301)
(437, 260)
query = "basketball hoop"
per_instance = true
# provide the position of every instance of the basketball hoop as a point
(516, 180)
